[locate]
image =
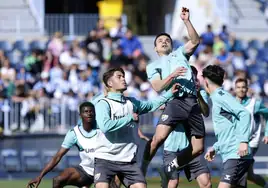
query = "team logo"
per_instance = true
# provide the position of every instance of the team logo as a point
(97, 176)
(164, 117)
(227, 177)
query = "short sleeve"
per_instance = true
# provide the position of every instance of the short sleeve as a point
(153, 72)
(69, 140)
(181, 52)
(204, 95)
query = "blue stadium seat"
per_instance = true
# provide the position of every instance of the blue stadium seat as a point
(21, 45)
(10, 160)
(31, 160)
(36, 44)
(72, 158)
(5, 46)
(255, 44)
(14, 58)
(47, 155)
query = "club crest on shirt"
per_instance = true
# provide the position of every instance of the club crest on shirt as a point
(164, 117)
(97, 176)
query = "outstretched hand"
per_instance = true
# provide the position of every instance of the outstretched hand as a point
(185, 15)
(34, 183)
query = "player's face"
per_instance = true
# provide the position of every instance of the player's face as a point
(117, 81)
(241, 89)
(163, 45)
(88, 114)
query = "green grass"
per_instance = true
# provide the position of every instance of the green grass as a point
(152, 183)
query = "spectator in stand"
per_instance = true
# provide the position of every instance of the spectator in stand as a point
(208, 36)
(56, 73)
(24, 78)
(224, 34)
(118, 58)
(218, 45)
(131, 45)
(7, 72)
(56, 46)
(119, 30)
(84, 86)
(44, 83)
(139, 72)
(100, 28)
(68, 58)
(224, 59)
(94, 44)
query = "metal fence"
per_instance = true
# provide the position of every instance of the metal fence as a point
(53, 115)
(73, 24)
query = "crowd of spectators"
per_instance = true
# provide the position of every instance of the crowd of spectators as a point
(43, 77)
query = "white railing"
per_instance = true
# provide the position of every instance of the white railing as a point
(37, 8)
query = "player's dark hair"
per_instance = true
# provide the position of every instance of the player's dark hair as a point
(242, 80)
(85, 104)
(107, 75)
(195, 72)
(214, 73)
(163, 34)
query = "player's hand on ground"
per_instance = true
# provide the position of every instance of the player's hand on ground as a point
(180, 71)
(34, 183)
(135, 117)
(210, 155)
(185, 15)
(243, 149)
(265, 140)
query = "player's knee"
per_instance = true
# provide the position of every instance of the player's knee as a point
(58, 182)
(173, 183)
(206, 185)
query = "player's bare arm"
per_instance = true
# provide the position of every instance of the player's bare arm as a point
(194, 41)
(50, 166)
(160, 85)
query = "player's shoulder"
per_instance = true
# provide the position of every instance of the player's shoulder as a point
(152, 64)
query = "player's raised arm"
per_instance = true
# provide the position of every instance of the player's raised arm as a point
(50, 166)
(104, 120)
(194, 41)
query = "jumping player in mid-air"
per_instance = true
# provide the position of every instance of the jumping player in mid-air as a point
(171, 68)
(177, 141)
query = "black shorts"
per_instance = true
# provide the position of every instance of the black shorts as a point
(194, 169)
(86, 179)
(235, 172)
(184, 110)
(128, 172)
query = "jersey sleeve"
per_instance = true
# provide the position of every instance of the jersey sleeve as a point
(204, 95)
(70, 140)
(261, 109)
(242, 115)
(153, 72)
(181, 52)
